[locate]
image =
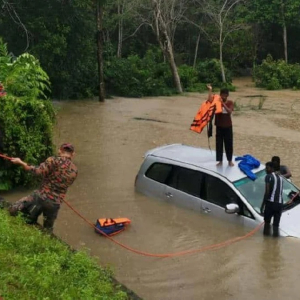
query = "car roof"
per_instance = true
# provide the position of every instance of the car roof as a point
(202, 158)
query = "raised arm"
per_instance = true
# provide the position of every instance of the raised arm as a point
(210, 94)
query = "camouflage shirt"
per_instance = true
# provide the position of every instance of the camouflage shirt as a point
(58, 174)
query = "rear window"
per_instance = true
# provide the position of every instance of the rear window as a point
(159, 172)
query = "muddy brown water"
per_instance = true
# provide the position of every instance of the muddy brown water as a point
(110, 141)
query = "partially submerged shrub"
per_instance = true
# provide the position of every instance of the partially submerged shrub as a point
(27, 125)
(26, 121)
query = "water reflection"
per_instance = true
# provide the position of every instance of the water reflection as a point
(271, 258)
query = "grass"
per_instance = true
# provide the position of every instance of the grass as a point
(259, 106)
(36, 266)
(262, 100)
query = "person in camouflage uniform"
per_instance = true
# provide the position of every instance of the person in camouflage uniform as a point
(58, 173)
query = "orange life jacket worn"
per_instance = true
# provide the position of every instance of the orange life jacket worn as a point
(206, 113)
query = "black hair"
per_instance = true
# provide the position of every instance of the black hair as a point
(270, 164)
(276, 159)
(224, 91)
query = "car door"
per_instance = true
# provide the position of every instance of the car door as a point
(183, 188)
(216, 194)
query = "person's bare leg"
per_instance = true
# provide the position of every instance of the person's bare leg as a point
(230, 163)
(219, 164)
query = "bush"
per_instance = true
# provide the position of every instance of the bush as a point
(149, 76)
(209, 71)
(275, 75)
(137, 77)
(27, 125)
(189, 79)
(26, 121)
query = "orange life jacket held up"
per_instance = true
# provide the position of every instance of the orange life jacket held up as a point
(206, 113)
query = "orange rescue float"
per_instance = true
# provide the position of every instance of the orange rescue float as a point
(109, 226)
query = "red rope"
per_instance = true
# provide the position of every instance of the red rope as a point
(5, 157)
(203, 249)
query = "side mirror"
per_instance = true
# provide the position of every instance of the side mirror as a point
(232, 208)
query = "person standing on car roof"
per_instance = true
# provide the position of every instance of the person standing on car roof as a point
(223, 122)
(273, 202)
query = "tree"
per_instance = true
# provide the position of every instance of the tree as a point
(124, 11)
(9, 9)
(163, 16)
(57, 32)
(99, 17)
(284, 13)
(97, 8)
(221, 14)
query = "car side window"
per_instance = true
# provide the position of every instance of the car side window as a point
(218, 192)
(244, 210)
(159, 172)
(186, 180)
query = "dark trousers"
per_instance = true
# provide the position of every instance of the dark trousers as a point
(33, 206)
(224, 136)
(273, 210)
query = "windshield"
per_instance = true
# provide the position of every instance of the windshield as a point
(254, 191)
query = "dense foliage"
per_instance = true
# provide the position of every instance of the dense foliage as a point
(62, 35)
(35, 266)
(147, 76)
(275, 75)
(26, 116)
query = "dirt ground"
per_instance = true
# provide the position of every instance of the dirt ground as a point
(266, 123)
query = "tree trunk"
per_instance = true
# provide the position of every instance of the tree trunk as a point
(99, 8)
(285, 43)
(120, 30)
(196, 50)
(174, 70)
(222, 65)
(284, 32)
(221, 56)
(166, 44)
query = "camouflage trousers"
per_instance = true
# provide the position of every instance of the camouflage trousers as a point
(33, 206)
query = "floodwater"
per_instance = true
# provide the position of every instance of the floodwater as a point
(110, 141)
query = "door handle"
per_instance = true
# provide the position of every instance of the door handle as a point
(169, 195)
(206, 209)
